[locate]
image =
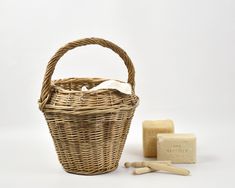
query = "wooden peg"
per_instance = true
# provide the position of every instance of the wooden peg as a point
(142, 170)
(144, 163)
(169, 168)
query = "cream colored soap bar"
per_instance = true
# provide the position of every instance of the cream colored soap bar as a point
(178, 148)
(150, 129)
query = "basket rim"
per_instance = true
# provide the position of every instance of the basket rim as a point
(49, 108)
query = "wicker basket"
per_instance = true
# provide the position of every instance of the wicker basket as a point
(89, 128)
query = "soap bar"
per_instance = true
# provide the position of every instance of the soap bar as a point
(150, 129)
(178, 148)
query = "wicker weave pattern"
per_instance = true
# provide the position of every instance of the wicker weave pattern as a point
(89, 129)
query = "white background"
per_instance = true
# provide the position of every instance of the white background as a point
(183, 52)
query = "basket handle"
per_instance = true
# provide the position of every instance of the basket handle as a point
(46, 86)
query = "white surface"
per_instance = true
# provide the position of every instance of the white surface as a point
(183, 52)
(28, 159)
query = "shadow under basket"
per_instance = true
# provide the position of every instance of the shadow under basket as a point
(89, 128)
